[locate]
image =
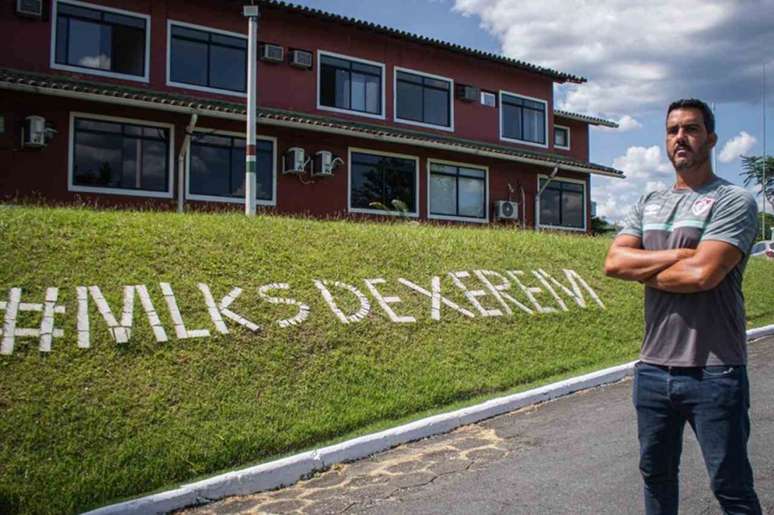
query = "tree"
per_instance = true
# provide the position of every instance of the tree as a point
(601, 226)
(752, 171)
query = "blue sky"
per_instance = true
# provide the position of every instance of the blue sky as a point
(638, 56)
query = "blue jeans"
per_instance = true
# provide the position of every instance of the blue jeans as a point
(714, 401)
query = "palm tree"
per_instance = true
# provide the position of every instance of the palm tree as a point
(752, 171)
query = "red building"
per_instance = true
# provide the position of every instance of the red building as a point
(136, 101)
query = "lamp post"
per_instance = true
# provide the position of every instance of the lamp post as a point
(252, 13)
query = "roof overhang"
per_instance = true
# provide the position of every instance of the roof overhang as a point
(591, 120)
(222, 110)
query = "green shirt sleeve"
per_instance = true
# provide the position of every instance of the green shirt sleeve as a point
(734, 220)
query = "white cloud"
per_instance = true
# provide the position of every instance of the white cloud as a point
(736, 146)
(639, 55)
(645, 169)
(625, 123)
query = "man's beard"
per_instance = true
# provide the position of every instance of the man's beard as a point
(695, 159)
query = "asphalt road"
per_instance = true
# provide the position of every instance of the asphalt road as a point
(575, 455)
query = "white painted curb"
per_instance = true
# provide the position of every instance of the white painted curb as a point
(289, 470)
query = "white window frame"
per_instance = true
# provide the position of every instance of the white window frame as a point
(227, 200)
(431, 216)
(545, 119)
(557, 126)
(321, 107)
(585, 205)
(359, 150)
(485, 94)
(195, 87)
(119, 191)
(395, 71)
(92, 71)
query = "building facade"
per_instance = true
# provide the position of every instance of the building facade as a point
(130, 102)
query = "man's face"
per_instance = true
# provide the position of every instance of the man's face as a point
(687, 142)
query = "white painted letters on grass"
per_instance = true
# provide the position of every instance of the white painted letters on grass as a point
(360, 314)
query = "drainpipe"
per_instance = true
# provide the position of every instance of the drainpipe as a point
(183, 162)
(252, 13)
(540, 192)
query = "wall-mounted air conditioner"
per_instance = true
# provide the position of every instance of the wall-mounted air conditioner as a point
(34, 132)
(294, 161)
(271, 53)
(301, 59)
(467, 93)
(506, 210)
(29, 8)
(324, 163)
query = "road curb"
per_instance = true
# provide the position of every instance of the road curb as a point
(286, 471)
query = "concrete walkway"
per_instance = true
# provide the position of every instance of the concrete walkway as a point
(574, 455)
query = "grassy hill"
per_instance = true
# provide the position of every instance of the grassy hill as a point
(81, 427)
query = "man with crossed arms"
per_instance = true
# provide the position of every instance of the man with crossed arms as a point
(689, 245)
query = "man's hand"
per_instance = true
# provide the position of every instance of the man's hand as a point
(700, 272)
(627, 260)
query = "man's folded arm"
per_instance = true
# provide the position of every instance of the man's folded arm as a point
(702, 271)
(627, 260)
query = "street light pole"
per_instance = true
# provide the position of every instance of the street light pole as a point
(765, 157)
(252, 13)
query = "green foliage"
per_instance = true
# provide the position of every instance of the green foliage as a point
(757, 172)
(84, 427)
(600, 226)
(398, 208)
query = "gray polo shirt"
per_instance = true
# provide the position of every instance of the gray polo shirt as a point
(704, 328)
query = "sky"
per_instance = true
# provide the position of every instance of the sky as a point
(638, 56)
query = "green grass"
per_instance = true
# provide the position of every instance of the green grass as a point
(80, 428)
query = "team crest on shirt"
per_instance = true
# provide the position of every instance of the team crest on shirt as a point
(702, 205)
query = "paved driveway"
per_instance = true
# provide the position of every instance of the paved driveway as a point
(574, 455)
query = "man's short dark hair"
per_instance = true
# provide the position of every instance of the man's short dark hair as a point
(695, 103)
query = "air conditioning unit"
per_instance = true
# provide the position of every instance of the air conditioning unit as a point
(506, 210)
(272, 53)
(324, 163)
(301, 59)
(294, 161)
(467, 93)
(30, 8)
(34, 132)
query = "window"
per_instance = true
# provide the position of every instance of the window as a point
(110, 156)
(378, 177)
(522, 119)
(350, 85)
(206, 59)
(101, 41)
(562, 137)
(488, 99)
(562, 204)
(423, 99)
(217, 168)
(457, 191)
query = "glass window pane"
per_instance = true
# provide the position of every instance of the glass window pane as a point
(409, 101)
(332, 61)
(409, 77)
(155, 161)
(438, 84)
(127, 21)
(97, 159)
(473, 172)
(89, 45)
(190, 33)
(210, 170)
(572, 209)
(443, 195)
(534, 127)
(128, 50)
(373, 94)
(549, 207)
(327, 85)
(62, 25)
(82, 12)
(442, 168)
(188, 62)
(94, 125)
(436, 107)
(358, 92)
(228, 68)
(572, 186)
(399, 181)
(560, 137)
(382, 179)
(237, 176)
(342, 89)
(264, 172)
(366, 68)
(511, 121)
(131, 178)
(472, 196)
(516, 101)
(218, 39)
(367, 185)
